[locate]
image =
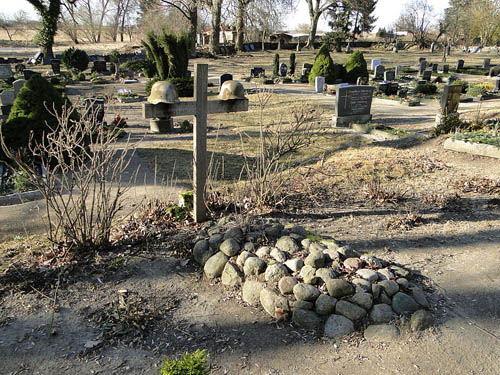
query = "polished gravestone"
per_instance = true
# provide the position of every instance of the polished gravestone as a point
(353, 105)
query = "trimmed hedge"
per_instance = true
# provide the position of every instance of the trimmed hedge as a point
(323, 66)
(355, 67)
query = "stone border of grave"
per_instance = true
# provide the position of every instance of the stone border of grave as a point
(318, 283)
(479, 149)
(19, 198)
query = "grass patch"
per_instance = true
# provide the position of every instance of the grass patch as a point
(479, 137)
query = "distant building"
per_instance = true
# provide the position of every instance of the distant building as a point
(225, 37)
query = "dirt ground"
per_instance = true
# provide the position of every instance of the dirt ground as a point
(456, 248)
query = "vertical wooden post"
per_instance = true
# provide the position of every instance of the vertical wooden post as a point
(200, 141)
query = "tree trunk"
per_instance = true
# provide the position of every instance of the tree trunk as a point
(216, 11)
(193, 27)
(312, 33)
(47, 51)
(240, 24)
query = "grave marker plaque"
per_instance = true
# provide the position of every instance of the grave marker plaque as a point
(450, 99)
(283, 70)
(460, 64)
(223, 78)
(56, 66)
(389, 75)
(434, 68)
(446, 69)
(353, 105)
(379, 72)
(486, 63)
(5, 71)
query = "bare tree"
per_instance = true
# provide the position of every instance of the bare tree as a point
(416, 19)
(189, 9)
(91, 16)
(316, 9)
(215, 9)
(15, 24)
(68, 20)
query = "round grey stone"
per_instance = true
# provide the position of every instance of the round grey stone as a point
(215, 265)
(286, 284)
(325, 305)
(254, 266)
(384, 298)
(376, 290)
(419, 296)
(315, 259)
(297, 229)
(263, 252)
(305, 292)
(353, 263)
(231, 276)
(347, 252)
(202, 252)
(373, 261)
(349, 310)
(234, 233)
(389, 286)
(295, 264)
(403, 303)
(275, 272)
(364, 300)
(316, 247)
(230, 247)
(381, 313)
(381, 333)
(305, 305)
(385, 274)
(308, 274)
(275, 304)
(326, 274)
(403, 283)
(250, 292)
(215, 240)
(240, 261)
(400, 271)
(331, 255)
(367, 274)
(339, 288)
(287, 243)
(248, 246)
(331, 244)
(306, 319)
(278, 255)
(362, 283)
(306, 243)
(273, 230)
(338, 326)
(420, 320)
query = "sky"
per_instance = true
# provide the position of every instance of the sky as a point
(387, 11)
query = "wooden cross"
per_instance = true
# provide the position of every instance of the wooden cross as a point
(200, 107)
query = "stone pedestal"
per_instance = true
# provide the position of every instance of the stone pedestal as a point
(162, 125)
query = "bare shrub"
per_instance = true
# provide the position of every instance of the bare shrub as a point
(374, 190)
(442, 201)
(405, 221)
(83, 184)
(478, 184)
(268, 166)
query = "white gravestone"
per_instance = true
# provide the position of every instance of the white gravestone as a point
(7, 97)
(375, 62)
(319, 84)
(18, 86)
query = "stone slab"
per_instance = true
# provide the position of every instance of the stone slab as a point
(472, 148)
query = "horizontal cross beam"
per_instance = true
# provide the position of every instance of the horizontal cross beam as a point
(164, 110)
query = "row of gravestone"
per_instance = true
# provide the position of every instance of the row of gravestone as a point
(353, 103)
(257, 71)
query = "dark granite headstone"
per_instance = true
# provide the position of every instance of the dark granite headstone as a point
(434, 68)
(460, 64)
(379, 72)
(422, 67)
(223, 78)
(393, 88)
(353, 104)
(427, 75)
(497, 84)
(389, 75)
(252, 47)
(283, 69)
(56, 66)
(94, 109)
(486, 63)
(246, 48)
(450, 99)
(383, 88)
(362, 81)
(306, 69)
(446, 68)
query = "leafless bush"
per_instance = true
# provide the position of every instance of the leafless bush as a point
(83, 181)
(374, 190)
(442, 201)
(478, 184)
(405, 221)
(267, 171)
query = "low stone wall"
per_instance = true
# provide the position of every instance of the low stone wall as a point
(472, 148)
(319, 284)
